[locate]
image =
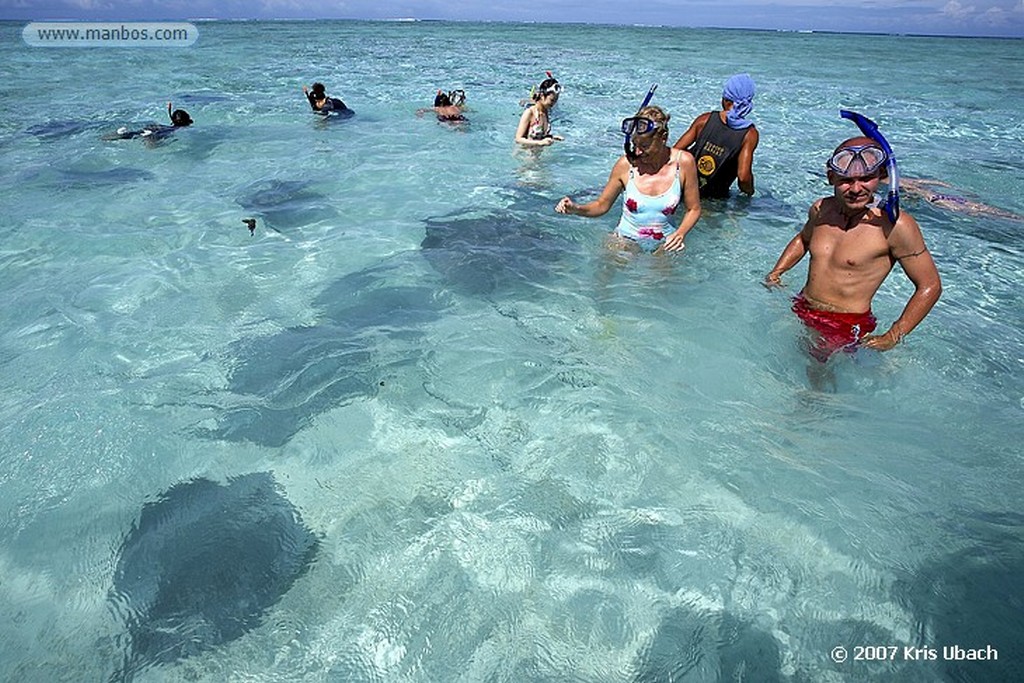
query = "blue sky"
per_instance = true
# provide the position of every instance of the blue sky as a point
(945, 17)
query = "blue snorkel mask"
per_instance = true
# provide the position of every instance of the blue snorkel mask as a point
(627, 146)
(870, 129)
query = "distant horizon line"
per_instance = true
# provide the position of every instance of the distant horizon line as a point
(400, 20)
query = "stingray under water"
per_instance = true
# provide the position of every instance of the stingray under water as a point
(59, 129)
(84, 178)
(491, 253)
(202, 564)
(369, 323)
(287, 204)
(366, 326)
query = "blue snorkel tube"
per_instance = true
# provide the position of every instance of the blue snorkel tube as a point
(627, 146)
(648, 98)
(870, 129)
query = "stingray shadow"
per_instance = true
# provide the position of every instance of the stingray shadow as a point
(286, 204)
(492, 252)
(367, 325)
(202, 565)
(974, 598)
(694, 645)
(82, 178)
(59, 129)
(370, 324)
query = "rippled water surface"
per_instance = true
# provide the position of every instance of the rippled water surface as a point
(520, 461)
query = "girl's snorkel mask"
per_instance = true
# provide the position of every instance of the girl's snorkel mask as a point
(549, 86)
(537, 91)
(627, 145)
(870, 129)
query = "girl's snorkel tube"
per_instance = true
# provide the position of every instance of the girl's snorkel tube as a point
(870, 129)
(627, 146)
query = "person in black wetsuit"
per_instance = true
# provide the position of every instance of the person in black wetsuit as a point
(723, 142)
(321, 103)
(179, 119)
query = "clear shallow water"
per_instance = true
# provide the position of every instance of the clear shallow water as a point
(523, 465)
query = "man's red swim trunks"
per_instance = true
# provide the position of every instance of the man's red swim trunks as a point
(836, 331)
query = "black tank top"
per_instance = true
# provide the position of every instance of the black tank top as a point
(716, 151)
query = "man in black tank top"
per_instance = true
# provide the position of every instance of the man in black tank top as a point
(723, 142)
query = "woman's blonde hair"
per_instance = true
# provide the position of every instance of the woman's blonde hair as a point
(656, 114)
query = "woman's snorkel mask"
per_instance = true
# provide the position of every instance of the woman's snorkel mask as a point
(627, 145)
(870, 129)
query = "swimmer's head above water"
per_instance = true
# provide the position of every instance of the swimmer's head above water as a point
(646, 132)
(180, 118)
(892, 173)
(855, 169)
(648, 120)
(549, 87)
(858, 157)
(441, 99)
(632, 126)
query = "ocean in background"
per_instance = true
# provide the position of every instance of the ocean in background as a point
(522, 462)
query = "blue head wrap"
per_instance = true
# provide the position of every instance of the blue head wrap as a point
(739, 90)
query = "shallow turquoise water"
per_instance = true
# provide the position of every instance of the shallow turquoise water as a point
(524, 465)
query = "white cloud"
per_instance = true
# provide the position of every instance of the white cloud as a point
(954, 10)
(994, 16)
(89, 4)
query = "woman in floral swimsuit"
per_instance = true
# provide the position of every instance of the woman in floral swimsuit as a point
(654, 179)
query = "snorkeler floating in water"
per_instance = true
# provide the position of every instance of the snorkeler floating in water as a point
(179, 119)
(445, 108)
(925, 189)
(321, 103)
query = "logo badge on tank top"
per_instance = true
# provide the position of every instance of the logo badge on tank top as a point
(706, 165)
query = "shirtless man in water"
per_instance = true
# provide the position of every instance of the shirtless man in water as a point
(853, 247)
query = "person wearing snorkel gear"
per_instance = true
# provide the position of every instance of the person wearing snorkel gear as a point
(655, 179)
(534, 126)
(321, 103)
(723, 142)
(854, 245)
(445, 109)
(179, 119)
